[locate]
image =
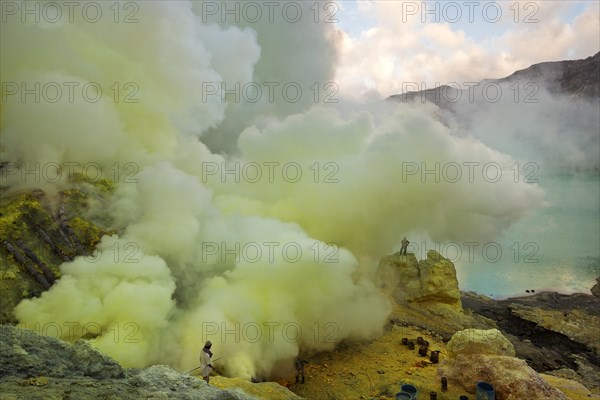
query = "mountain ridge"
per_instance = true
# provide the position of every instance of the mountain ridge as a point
(577, 78)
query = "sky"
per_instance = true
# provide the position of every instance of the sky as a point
(386, 44)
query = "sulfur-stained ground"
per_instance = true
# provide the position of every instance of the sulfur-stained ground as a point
(376, 369)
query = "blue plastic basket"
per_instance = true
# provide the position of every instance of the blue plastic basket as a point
(410, 389)
(485, 391)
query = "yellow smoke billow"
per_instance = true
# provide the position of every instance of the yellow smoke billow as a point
(264, 269)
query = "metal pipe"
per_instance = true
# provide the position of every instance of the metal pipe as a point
(64, 225)
(33, 257)
(27, 265)
(50, 243)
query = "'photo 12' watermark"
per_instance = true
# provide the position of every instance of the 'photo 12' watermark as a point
(71, 92)
(471, 252)
(47, 249)
(117, 253)
(67, 171)
(119, 332)
(452, 12)
(471, 92)
(270, 332)
(468, 172)
(61, 12)
(255, 12)
(271, 92)
(270, 252)
(270, 172)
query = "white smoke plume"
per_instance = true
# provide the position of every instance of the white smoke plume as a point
(265, 268)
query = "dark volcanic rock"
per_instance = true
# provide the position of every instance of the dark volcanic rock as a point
(573, 77)
(550, 331)
(596, 288)
(25, 354)
(40, 367)
(578, 78)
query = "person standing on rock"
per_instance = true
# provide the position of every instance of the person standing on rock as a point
(205, 361)
(299, 367)
(405, 243)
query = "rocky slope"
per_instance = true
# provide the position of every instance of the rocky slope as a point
(38, 232)
(376, 369)
(41, 367)
(575, 78)
(553, 333)
(570, 77)
(556, 334)
(426, 302)
(486, 355)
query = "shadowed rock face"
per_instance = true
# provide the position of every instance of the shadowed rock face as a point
(578, 325)
(572, 77)
(596, 288)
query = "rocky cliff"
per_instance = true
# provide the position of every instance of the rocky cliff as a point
(426, 293)
(571, 77)
(554, 333)
(549, 333)
(41, 367)
(430, 282)
(39, 232)
(514, 344)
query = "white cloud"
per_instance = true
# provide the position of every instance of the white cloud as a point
(402, 48)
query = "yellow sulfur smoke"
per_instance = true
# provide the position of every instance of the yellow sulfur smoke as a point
(264, 268)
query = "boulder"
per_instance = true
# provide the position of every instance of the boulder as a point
(486, 355)
(158, 377)
(478, 341)
(24, 353)
(511, 377)
(596, 288)
(42, 367)
(438, 279)
(262, 390)
(571, 388)
(162, 381)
